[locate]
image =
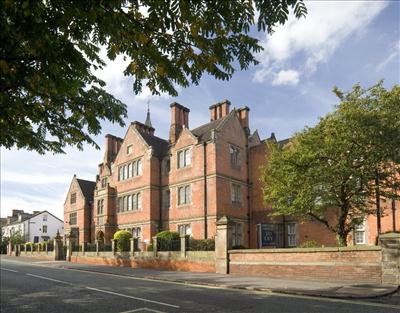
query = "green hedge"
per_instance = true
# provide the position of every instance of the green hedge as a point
(201, 244)
(168, 241)
(123, 238)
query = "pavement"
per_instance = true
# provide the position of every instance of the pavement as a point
(250, 283)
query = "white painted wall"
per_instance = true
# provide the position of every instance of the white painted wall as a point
(33, 227)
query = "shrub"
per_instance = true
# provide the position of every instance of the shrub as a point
(201, 244)
(123, 238)
(150, 247)
(309, 244)
(168, 241)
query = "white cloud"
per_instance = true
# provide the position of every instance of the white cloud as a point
(313, 40)
(289, 77)
(392, 55)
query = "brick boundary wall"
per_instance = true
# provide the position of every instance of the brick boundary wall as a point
(40, 256)
(361, 264)
(196, 261)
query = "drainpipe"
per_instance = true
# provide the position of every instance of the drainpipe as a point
(161, 195)
(248, 190)
(205, 189)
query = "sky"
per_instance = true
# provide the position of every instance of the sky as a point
(339, 43)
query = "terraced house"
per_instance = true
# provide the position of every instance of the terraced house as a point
(147, 184)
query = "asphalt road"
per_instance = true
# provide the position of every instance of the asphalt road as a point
(27, 287)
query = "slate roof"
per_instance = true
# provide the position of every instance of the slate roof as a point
(29, 216)
(87, 188)
(282, 143)
(159, 145)
(204, 132)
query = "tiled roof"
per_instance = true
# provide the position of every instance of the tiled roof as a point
(87, 188)
(159, 145)
(204, 132)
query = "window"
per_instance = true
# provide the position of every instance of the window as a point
(36, 239)
(291, 234)
(185, 230)
(73, 198)
(236, 193)
(125, 175)
(44, 217)
(120, 205)
(44, 229)
(167, 199)
(129, 149)
(136, 232)
(72, 218)
(184, 195)
(137, 201)
(359, 234)
(120, 173)
(129, 208)
(100, 206)
(237, 234)
(184, 158)
(130, 170)
(137, 168)
(235, 156)
(104, 182)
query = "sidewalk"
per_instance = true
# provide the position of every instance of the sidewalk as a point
(298, 287)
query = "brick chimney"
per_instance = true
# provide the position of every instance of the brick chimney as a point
(219, 110)
(179, 119)
(143, 128)
(112, 146)
(243, 115)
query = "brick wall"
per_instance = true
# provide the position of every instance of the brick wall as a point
(347, 264)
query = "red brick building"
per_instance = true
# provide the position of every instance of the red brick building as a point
(147, 184)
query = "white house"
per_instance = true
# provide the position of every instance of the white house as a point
(36, 227)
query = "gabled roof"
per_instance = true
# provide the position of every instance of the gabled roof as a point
(203, 133)
(159, 145)
(87, 188)
(28, 217)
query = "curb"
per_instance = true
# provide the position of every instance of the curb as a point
(310, 293)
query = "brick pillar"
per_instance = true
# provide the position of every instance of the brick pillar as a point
(97, 247)
(222, 245)
(9, 248)
(183, 245)
(58, 251)
(155, 245)
(69, 249)
(390, 244)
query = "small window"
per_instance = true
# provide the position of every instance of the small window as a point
(184, 158)
(136, 232)
(125, 176)
(44, 229)
(120, 204)
(184, 195)
(72, 218)
(236, 193)
(235, 156)
(73, 198)
(129, 203)
(129, 149)
(104, 182)
(120, 173)
(166, 166)
(291, 234)
(130, 170)
(137, 201)
(185, 230)
(100, 206)
(44, 217)
(359, 234)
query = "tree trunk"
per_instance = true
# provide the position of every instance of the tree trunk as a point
(378, 203)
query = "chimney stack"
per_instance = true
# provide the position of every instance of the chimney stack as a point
(179, 119)
(219, 110)
(112, 146)
(243, 115)
(143, 128)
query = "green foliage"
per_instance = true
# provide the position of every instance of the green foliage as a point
(334, 164)
(3, 244)
(201, 244)
(123, 238)
(168, 241)
(50, 96)
(309, 244)
(16, 238)
(150, 247)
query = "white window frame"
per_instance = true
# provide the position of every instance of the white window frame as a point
(184, 158)
(360, 229)
(184, 195)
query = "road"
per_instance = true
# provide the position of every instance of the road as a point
(39, 287)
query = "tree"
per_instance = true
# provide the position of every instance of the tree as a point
(50, 97)
(333, 165)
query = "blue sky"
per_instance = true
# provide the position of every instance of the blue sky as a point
(339, 43)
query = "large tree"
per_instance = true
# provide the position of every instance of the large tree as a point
(51, 98)
(334, 164)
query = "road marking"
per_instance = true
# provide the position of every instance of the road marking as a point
(132, 297)
(51, 279)
(8, 270)
(143, 310)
